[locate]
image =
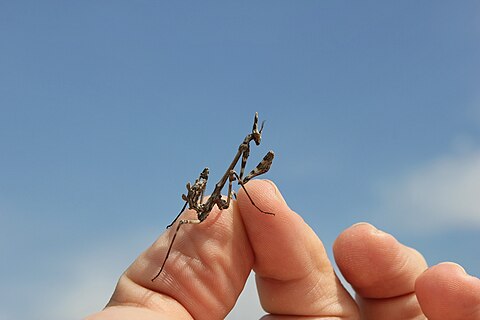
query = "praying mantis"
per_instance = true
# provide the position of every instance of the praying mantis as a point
(194, 198)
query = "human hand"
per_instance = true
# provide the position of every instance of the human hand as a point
(210, 262)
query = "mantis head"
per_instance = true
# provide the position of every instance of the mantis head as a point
(257, 134)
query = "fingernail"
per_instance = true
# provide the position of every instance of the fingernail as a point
(454, 264)
(358, 224)
(275, 190)
(274, 187)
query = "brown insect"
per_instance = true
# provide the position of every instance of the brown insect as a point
(194, 197)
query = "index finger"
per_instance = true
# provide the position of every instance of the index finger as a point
(294, 275)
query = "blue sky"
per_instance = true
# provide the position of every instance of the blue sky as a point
(108, 108)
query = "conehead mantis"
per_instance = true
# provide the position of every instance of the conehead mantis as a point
(194, 198)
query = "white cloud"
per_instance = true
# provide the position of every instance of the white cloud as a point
(441, 194)
(90, 281)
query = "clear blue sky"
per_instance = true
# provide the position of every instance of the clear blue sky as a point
(107, 109)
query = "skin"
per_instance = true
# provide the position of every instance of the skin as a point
(210, 263)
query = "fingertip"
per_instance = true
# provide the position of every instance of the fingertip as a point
(375, 263)
(453, 266)
(274, 189)
(266, 214)
(353, 233)
(438, 273)
(264, 193)
(358, 244)
(447, 291)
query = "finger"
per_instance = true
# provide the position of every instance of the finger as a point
(203, 276)
(446, 291)
(381, 270)
(293, 273)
